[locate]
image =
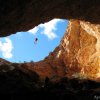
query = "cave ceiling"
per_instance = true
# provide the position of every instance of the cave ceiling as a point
(22, 15)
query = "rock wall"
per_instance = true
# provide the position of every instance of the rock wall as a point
(81, 48)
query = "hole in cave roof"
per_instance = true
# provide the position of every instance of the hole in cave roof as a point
(20, 47)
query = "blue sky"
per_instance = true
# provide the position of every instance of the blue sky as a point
(20, 47)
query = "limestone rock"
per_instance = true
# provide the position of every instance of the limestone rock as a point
(81, 46)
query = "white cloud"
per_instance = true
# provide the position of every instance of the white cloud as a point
(49, 28)
(6, 48)
(18, 35)
(34, 30)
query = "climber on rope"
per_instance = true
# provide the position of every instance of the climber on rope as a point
(36, 40)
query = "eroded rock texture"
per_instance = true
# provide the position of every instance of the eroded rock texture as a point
(22, 15)
(81, 48)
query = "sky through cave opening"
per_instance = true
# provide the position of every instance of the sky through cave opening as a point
(20, 47)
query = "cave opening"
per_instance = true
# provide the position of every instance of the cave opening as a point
(20, 47)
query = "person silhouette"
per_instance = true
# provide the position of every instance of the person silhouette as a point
(36, 40)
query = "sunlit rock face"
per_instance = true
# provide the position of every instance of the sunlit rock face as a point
(81, 49)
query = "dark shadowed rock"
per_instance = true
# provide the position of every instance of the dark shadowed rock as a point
(22, 15)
